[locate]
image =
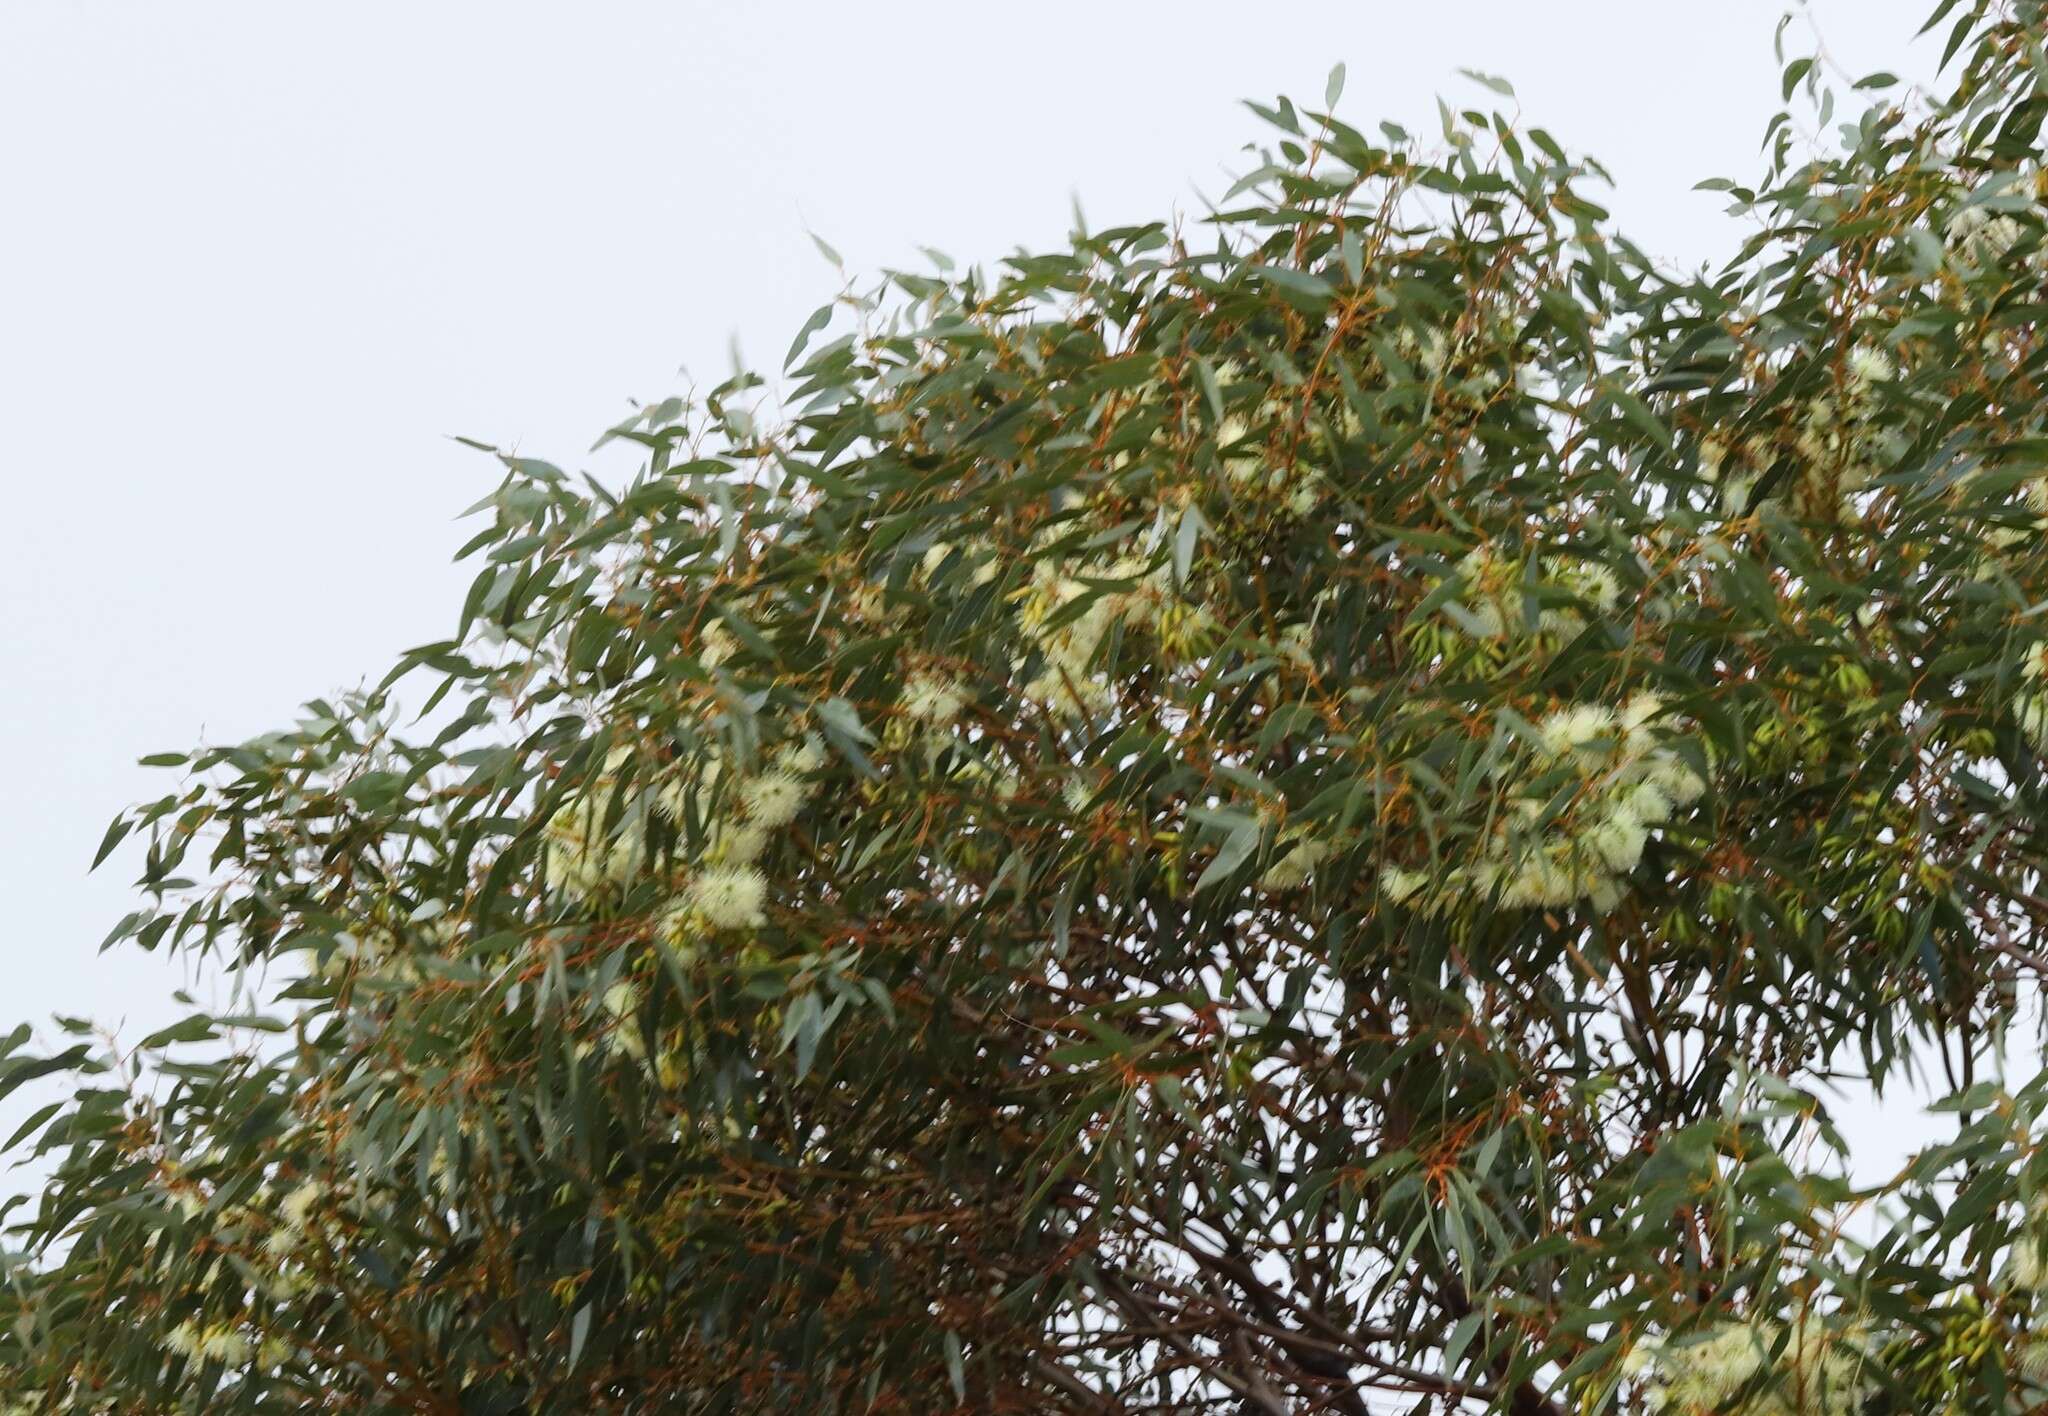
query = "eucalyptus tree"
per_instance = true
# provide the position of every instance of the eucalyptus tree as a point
(1285, 814)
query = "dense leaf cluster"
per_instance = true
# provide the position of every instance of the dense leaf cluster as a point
(1280, 822)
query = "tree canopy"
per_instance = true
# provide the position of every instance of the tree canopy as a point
(1283, 813)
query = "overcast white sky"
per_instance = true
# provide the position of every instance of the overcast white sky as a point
(258, 260)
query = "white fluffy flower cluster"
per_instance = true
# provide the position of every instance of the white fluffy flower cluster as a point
(585, 856)
(1818, 1373)
(1868, 368)
(2026, 1265)
(1294, 865)
(296, 1208)
(987, 565)
(715, 644)
(1630, 783)
(729, 897)
(728, 890)
(932, 699)
(2031, 703)
(1069, 682)
(1734, 471)
(1401, 885)
(292, 1225)
(1291, 481)
(621, 1001)
(226, 1343)
(736, 813)
(1839, 442)
(1495, 587)
(392, 944)
(1978, 239)
(1840, 447)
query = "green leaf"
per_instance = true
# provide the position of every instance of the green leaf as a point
(116, 833)
(839, 715)
(1498, 85)
(1352, 252)
(579, 1335)
(35, 1123)
(820, 317)
(847, 734)
(1189, 532)
(1239, 842)
(1794, 72)
(374, 791)
(956, 1366)
(194, 1029)
(1305, 287)
(1207, 376)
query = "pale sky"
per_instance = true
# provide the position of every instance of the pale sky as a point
(258, 261)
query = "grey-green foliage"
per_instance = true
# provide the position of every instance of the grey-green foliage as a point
(1259, 818)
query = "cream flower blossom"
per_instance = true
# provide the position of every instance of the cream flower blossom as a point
(1068, 693)
(933, 699)
(1076, 793)
(2027, 1267)
(1492, 602)
(1542, 878)
(1979, 239)
(182, 1340)
(715, 644)
(1294, 867)
(731, 897)
(1869, 366)
(1818, 1372)
(774, 799)
(1641, 709)
(678, 925)
(737, 823)
(1401, 885)
(1576, 728)
(585, 854)
(622, 1001)
(1546, 843)
(1591, 581)
(296, 1208)
(736, 843)
(804, 757)
(1673, 776)
(225, 1345)
(1618, 839)
(1649, 804)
